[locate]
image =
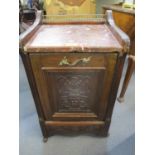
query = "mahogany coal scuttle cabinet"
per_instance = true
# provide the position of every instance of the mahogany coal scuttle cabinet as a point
(74, 65)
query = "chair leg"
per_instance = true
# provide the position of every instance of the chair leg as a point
(129, 72)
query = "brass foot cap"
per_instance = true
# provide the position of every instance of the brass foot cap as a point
(45, 140)
(120, 99)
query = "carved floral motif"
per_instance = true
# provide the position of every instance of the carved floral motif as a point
(75, 92)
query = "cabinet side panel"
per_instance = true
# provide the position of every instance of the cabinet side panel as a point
(104, 103)
(31, 80)
(41, 85)
(114, 89)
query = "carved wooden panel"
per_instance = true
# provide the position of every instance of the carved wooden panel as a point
(60, 84)
(73, 90)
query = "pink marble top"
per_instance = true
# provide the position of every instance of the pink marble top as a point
(72, 36)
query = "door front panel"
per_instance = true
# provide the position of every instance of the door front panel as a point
(77, 92)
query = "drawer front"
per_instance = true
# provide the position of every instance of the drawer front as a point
(74, 86)
(74, 60)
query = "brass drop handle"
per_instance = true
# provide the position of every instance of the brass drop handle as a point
(65, 61)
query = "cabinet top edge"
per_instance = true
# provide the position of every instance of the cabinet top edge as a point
(79, 37)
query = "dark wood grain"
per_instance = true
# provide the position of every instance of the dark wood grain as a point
(112, 98)
(31, 80)
(79, 94)
(125, 20)
(121, 36)
(25, 36)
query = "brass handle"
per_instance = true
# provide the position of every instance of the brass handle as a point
(65, 61)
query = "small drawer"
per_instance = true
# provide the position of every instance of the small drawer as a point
(75, 59)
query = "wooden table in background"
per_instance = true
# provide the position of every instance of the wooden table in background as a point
(125, 19)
